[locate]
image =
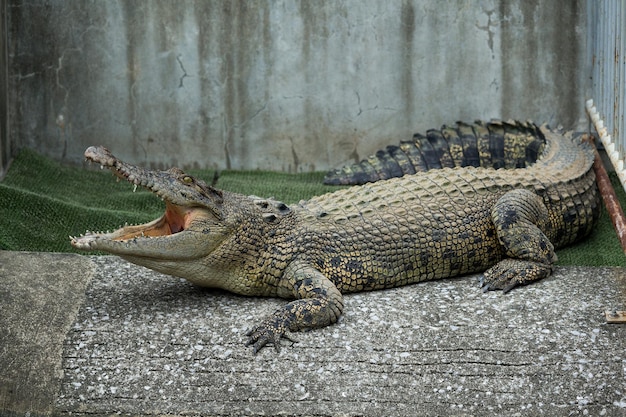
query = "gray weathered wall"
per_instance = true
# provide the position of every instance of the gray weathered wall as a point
(285, 85)
(5, 151)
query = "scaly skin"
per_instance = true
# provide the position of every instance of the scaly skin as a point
(493, 144)
(441, 223)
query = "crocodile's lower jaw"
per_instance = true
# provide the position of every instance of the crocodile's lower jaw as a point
(158, 228)
(153, 239)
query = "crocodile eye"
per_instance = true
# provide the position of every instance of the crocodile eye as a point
(187, 179)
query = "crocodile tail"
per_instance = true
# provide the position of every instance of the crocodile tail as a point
(495, 144)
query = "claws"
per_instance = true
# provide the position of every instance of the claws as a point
(259, 338)
(491, 287)
(504, 282)
(486, 286)
(510, 286)
(263, 335)
(511, 273)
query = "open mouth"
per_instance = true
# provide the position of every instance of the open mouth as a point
(176, 219)
(188, 205)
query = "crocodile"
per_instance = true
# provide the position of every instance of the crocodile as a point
(505, 223)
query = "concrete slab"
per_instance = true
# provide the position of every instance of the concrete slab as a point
(145, 344)
(40, 294)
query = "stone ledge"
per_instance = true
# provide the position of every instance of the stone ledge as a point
(40, 295)
(136, 342)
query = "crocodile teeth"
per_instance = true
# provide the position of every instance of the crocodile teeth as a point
(134, 188)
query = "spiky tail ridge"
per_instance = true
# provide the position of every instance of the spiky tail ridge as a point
(494, 144)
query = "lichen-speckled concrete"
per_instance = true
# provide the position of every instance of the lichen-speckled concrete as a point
(40, 294)
(143, 343)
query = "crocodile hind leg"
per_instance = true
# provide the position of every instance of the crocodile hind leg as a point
(318, 303)
(520, 217)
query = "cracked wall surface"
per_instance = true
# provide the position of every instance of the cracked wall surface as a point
(283, 85)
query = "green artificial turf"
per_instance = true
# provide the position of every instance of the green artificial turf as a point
(42, 202)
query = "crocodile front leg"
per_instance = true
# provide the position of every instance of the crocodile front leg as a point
(520, 216)
(318, 303)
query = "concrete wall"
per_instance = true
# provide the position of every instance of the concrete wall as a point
(5, 151)
(284, 85)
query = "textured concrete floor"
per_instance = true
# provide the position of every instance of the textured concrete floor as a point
(97, 336)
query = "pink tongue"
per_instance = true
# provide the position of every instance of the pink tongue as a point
(175, 222)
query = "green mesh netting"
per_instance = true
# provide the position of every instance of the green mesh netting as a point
(42, 202)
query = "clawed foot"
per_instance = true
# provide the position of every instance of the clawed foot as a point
(267, 333)
(492, 286)
(509, 273)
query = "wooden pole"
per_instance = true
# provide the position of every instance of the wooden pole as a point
(610, 199)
